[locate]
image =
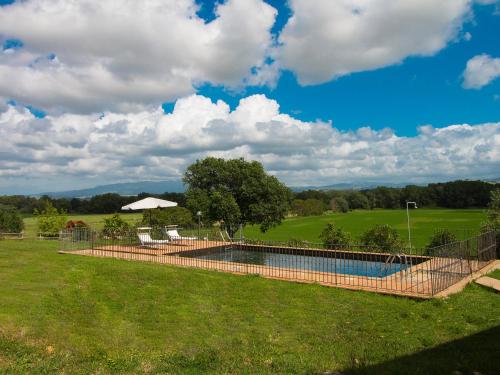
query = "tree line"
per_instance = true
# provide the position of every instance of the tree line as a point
(99, 204)
(455, 194)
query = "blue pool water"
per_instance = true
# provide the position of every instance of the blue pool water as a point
(309, 263)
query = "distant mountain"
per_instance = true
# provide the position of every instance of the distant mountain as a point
(159, 187)
(351, 186)
(126, 188)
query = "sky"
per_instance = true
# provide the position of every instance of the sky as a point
(320, 91)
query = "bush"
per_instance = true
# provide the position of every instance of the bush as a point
(80, 231)
(494, 217)
(294, 242)
(333, 236)
(339, 204)
(115, 226)
(10, 221)
(50, 220)
(170, 216)
(442, 237)
(76, 224)
(357, 200)
(308, 207)
(383, 236)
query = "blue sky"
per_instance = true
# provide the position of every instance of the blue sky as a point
(419, 90)
(321, 92)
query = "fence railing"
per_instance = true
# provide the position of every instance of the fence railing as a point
(357, 267)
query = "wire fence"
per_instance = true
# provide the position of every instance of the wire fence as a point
(422, 273)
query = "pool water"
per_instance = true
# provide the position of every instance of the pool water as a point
(309, 263)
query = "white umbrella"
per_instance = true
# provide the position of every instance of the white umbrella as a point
(149, 203)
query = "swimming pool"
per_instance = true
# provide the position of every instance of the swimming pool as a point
(313, 263)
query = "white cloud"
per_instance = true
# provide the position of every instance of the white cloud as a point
(480, 71)
(151, 145)
(327, 39)
(126, 55)
(131, 55)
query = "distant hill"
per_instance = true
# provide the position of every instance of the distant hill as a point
(126, 188)
(159, 187)
(351, 186)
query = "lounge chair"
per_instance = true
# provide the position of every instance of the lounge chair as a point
(147, 241)
(225, 236)
(174, 235)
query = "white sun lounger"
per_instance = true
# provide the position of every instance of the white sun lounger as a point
(147, 241)
(175, 236)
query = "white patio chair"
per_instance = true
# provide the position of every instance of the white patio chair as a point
(147, 241)
(174, 235)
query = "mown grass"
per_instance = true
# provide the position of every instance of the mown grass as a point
(495, 274)
(423, 224)
(79, 315)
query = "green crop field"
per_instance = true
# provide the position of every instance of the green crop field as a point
(68, 314)
(423, 224)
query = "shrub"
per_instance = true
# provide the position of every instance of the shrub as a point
(50, 220)
(339, 204)
(79, 230)
(383, 236)
(76, 224)
(170, 216)
(358, 200)
(493, 222)
(308, 207)
(115, 226)
(441, 237)
(294, 242)
(333, 236)
(10, 221)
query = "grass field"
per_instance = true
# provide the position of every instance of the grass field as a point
(82, 315)
(423, 224)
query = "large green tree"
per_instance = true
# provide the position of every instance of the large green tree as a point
(236, 192)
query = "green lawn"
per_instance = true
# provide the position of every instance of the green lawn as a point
(82, 315)
(495, 274)
(423, 223)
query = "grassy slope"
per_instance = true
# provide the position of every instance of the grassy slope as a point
(63, 313)
(423, 224)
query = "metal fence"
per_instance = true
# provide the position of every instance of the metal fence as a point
(356, 267)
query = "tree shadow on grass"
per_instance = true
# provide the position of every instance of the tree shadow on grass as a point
(476, 353)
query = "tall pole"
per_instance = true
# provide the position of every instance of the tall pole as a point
(199, 222)
(408, 219)
(409, 231)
